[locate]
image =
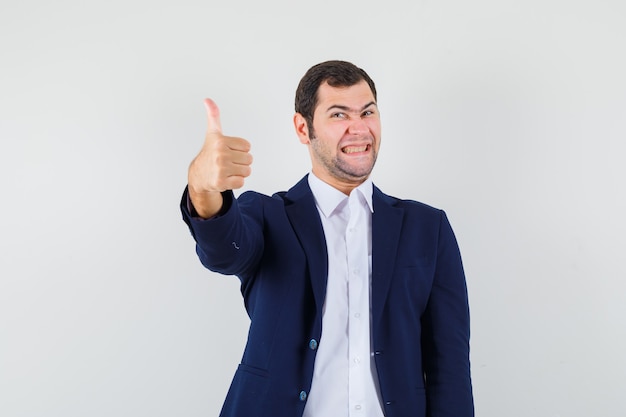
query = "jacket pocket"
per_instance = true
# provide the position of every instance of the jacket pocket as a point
(253, 370)
(247, 395)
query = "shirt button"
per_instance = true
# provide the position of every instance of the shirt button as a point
(357, 360)
(313, 344)
(302, 395)
(357, 407)
(357, 315)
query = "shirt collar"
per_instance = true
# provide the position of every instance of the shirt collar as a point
(328, 198)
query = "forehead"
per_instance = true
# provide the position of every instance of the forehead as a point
(356, 96)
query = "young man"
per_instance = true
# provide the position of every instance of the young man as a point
(357, 300)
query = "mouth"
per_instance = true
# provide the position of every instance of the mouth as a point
(355, 149)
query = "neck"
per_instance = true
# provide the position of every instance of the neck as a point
(344, 186)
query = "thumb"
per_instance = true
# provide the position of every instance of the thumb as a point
(213, 116)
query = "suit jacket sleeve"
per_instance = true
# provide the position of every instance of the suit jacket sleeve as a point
(446, 332)
(231, 243)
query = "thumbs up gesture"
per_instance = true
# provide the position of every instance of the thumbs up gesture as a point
(222, 164)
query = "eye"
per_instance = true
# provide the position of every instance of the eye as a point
(367, 113)
(338, 115)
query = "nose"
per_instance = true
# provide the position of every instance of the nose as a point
(358, 127)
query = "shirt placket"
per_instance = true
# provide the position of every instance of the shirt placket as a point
(358, 303)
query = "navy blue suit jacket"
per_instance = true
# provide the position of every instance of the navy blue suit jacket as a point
(420, 314)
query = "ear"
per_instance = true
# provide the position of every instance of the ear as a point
(302, 129)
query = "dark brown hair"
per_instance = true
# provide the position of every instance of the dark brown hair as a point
(336, 74)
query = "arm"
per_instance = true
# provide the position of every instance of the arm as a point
(208, 205)
(446, 333)
(231, 243)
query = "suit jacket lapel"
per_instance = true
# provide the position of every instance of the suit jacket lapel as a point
(386, 228)
(305, 221)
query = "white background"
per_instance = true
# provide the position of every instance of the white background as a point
(510, 115)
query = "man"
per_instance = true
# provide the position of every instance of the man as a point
(357, 300)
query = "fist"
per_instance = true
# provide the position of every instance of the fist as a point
(223, 162)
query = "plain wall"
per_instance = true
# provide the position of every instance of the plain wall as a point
(509, 115)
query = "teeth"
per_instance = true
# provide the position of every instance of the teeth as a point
(354, 149)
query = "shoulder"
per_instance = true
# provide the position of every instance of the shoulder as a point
(299, 191)
(411, 206)
(257, 198)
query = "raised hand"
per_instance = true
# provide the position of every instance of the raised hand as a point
(222, 164)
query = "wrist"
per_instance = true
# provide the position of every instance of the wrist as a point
(205, 204)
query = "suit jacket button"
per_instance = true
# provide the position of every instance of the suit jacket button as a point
(313, 344)
(302, 395)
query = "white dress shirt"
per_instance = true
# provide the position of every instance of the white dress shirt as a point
(345, 382)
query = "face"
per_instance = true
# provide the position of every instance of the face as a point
(345, 136)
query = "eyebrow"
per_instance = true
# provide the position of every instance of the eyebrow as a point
(346, 108)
